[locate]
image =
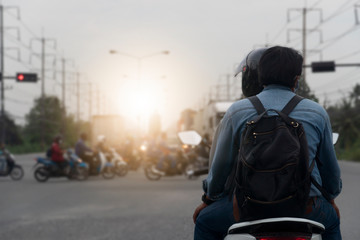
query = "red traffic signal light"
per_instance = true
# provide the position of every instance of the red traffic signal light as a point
(26, 77)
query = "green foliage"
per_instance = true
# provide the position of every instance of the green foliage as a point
(345, 118)
(304, 90)
(12, 132)
(26, 147)
(44, 120)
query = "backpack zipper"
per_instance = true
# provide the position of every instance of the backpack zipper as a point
(263, 202)
(266, 171)
(268, 132)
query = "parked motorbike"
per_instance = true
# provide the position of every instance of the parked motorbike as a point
(16, 173)
(278, 228)
(76, 169)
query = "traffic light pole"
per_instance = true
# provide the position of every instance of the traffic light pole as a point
(328, 66)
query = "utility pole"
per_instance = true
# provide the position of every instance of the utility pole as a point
(63, 61)
(90, 101)
(228, 87)
(3, 122)
(304, 40)
(304, 11)
(98, 101)
(78, 96)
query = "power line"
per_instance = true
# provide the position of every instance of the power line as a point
(24, 25)
(349, 55)
(342, 78)
(337, 38)
(17, 101)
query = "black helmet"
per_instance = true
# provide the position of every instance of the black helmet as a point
(249, 68)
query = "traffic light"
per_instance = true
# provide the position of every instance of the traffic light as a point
(328, 66)
(26, 77)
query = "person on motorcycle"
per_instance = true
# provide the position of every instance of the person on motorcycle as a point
(203, 149)
(83, 151)
(57, 154)
(101, 144)
(278, 70)
(9, 160)
(165, 153)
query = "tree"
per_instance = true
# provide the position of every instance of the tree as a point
(12, 131)
(44, 120)
(304, 90)
(345, 119)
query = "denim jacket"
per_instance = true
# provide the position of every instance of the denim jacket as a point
(316, 123)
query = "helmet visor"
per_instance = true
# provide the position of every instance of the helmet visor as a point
(240, 69)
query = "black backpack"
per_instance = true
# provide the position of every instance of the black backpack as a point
(273, 175)
(49, 152)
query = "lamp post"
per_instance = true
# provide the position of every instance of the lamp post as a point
(139, 59)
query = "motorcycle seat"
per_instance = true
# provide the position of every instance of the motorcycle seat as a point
(282, 224)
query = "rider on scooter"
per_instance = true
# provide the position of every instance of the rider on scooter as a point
(279, 71)
(166, 155)
(9, 160)
(83, 151)
(57, 155)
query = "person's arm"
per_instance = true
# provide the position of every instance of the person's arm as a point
(328, 165)
(222, 158)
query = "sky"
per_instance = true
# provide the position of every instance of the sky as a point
(205, 41)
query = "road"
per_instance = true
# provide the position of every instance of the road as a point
(123, 208)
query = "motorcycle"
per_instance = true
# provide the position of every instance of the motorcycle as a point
(197, 155)
(152, 173)
(104, 166)
(76, 169)
(278, 228)
(16, 173)
(121, 167)
(187, 160)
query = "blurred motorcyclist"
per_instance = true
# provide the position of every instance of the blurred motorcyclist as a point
(84, 152)
(203, 149)
(101, 144)
(57, 154)
(9, 160)
(165, 153)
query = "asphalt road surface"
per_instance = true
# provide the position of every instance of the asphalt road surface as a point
(130, 207)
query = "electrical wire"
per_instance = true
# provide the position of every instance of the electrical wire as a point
(22, 23)
(17, 101)
(349, 55)
(343, 78)
(337, 38)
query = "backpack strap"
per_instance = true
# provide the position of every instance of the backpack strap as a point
(257, 104)
(291, 104)
(323, 191)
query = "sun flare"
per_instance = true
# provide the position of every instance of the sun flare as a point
(140, 102)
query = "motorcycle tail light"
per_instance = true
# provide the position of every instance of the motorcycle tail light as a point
(284, 238)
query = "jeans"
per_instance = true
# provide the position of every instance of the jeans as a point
(214, 220)
(323, 212)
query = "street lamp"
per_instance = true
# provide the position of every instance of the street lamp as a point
(139, 58)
